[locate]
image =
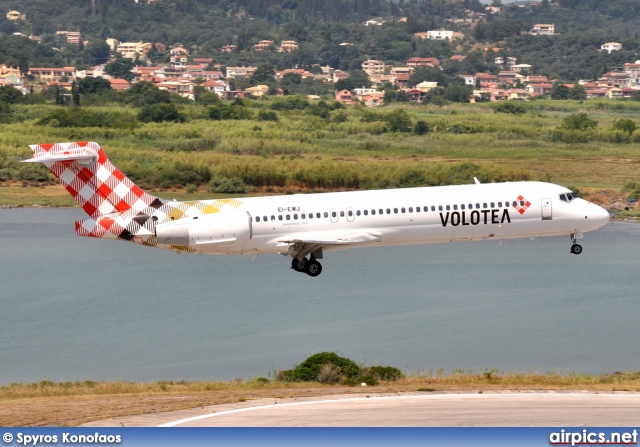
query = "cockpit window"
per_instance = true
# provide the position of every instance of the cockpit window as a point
(568, 197)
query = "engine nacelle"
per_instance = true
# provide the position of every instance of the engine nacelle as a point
(225, 228)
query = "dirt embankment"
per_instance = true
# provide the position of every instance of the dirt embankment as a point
(612, 200)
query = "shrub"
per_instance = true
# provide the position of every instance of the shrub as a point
(308, 370)
(569, 136)
(159, 113)
(229, 112)
(512, 107)
(578, 121)
(625, 125)
(385, 372)
(31, 171)
(329, 373)
(82, 117)
(320, 109)
(339, 117)
(226, 185)
(285, 375)
(421, 128)
(291, 103)
(399, 121)
(370, 117)
(267, 115)
(438, 100)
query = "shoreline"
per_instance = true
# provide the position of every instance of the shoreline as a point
(48, 403)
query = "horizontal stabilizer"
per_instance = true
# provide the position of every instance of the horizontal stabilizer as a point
(84, 155)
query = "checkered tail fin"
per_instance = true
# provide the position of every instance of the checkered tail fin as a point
(94, 182)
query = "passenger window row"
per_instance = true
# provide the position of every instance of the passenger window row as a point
(381, 211)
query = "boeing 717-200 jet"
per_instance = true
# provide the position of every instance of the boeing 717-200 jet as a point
(304, 226)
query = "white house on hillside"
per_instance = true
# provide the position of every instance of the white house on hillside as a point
(544, 29)
(611, 46)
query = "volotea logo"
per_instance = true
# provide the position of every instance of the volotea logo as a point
(522, 205)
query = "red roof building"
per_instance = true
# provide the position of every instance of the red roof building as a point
(423, 62)
(119, 84)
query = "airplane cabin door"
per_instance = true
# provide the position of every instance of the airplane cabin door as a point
(351, 216)
(546, 209)
(334, 215)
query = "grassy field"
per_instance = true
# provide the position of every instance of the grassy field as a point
(73, 403)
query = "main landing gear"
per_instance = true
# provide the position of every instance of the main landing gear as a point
(576, 249)
(309, 266)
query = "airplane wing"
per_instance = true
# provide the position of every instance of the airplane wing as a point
(349, 238)
(301, 244)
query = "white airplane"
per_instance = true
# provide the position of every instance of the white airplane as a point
(304, 226)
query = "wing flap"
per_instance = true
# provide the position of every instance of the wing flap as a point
(331, 238)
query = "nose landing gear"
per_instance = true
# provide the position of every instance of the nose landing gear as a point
(576, 249)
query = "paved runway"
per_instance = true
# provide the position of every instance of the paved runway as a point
(523, 408)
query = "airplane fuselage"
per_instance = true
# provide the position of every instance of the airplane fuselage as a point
(411, 216)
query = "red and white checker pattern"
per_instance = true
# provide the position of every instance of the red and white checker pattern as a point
(522, 205)
(131, 227)
(99, 188)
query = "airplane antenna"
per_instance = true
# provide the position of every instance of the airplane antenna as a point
(476, 180)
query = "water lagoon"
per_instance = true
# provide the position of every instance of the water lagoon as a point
(79, 308)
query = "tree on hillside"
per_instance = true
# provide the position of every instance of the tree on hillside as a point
(23, 64)
(264, 73)
(356, 79)
(430, 74)
(120, 68)
(577, 93)
(97, 52)
(9, 94)
(456, 92)
(91, 85)
(560, 91)
(145, 93)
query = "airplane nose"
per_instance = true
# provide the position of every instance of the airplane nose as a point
(597, 215)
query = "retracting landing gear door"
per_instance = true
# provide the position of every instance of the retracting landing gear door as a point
(546, 209)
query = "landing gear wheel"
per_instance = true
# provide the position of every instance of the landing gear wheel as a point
(576, 249)
(299, 265)
(313, 268)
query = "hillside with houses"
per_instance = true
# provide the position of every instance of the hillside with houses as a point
(368, 53)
